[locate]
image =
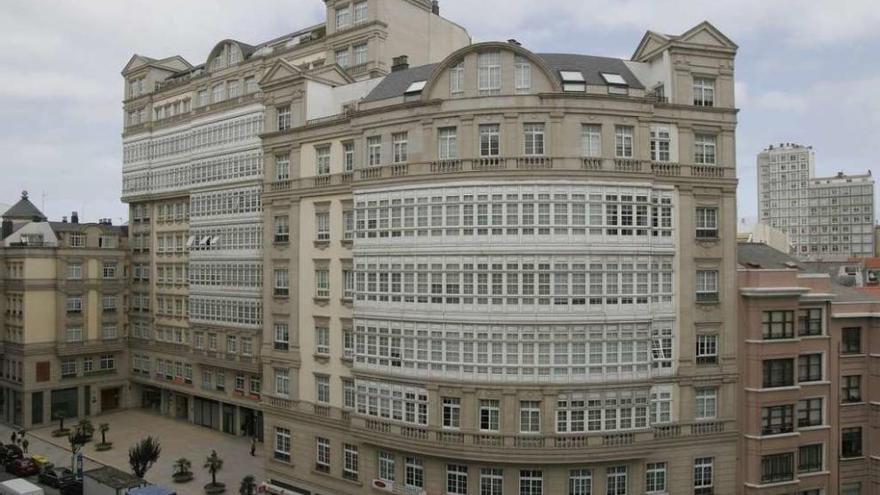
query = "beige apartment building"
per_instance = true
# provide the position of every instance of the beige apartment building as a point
(806, 357)
(413, 264)
(63, 291)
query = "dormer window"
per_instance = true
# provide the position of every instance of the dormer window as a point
(415, 87)
(573, 81)
(456, 78)
(616, 83)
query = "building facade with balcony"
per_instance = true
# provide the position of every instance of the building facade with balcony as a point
(193, 176)
(807, 360)
(506, 272)
(826, 218)
(63, 293)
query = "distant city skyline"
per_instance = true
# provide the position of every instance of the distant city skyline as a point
(61, 93)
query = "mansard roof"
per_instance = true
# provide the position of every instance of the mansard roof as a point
(24, 210)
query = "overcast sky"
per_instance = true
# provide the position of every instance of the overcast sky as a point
(806, 72)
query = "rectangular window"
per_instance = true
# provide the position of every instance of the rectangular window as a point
(234, 89)
(777, 468)
(851, 442)
(491, 481)
(704, 92)
(489, 73)
(322, 226)
(703, 475)
(322, 283)
(707, 286)
(490, 140)
(74, 304)
(360, 54)
(623, 141)
(811, 458)
(451, 412)
(810, 321)
(704, 149)
(282, 382)
(531, 482)
(414, 473)
(778, 373)
(73, 334)
(456, 479)
(282, 166)
(374, 151)
(322, 455)
(615, 480)
(707, 222)
(851, 388)
(529, 416)
(706, 403)
(283, 120)
(707, 349)
(109, 270)
(282, 336)
(591, 140)
(456, 78)
(776, 420)
(655, 477)
(580, 482)
(322, 160)
(350, 461)
(399, 147)
(809, 368)
(852, 341)
(282, 444)
(74, 271)
(282, 228)
(489, 414)
(343, 17)
(218, 93)
(322, 340)
(777, 325)
(360, 12)
(810, 412)
(348, 156)
(282, 282)
(447, 141)
(387, 466)
(660, 144)
(522, 74)
(322, 389)
(533, 139)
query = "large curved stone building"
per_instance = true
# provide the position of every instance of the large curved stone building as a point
(484, 270)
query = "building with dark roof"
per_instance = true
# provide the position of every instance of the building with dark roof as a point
(63, 294)
(421, 265)
(806, 349)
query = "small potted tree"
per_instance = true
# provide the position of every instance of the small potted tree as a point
(86, 428)
(182, 470)
(214, 464)
(103, 428)
(248, 485)
(142, 455)
(61, 431)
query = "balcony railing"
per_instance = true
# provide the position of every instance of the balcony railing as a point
(546, 164)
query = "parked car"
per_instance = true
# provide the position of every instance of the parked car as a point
(42, 461)
(75, 487)
(9, 452)
(23, 467)
(56, 477)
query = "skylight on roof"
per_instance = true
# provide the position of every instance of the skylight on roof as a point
(571, 76)
(611, 78)
(416, 87)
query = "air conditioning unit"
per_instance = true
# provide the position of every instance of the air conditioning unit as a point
(387, 486)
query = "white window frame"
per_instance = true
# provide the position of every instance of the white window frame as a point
(705, 403)
(534, 139)
(447, 143)
(489, 72)
(591, 140)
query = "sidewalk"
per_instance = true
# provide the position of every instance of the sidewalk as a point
(53, 448)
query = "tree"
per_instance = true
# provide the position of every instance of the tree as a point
(182, 470)
(143, 455)
(103, 428)
(248, 485)
(87, 428)
(213, 464)
(77, 439)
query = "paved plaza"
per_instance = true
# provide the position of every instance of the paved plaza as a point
(178, 439)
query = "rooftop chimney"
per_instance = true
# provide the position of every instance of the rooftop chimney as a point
(514, 42)
(64, 219)
(74, 218)
(399, 63)
(435, 7)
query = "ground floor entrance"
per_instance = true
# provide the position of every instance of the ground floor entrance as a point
(110, 398)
